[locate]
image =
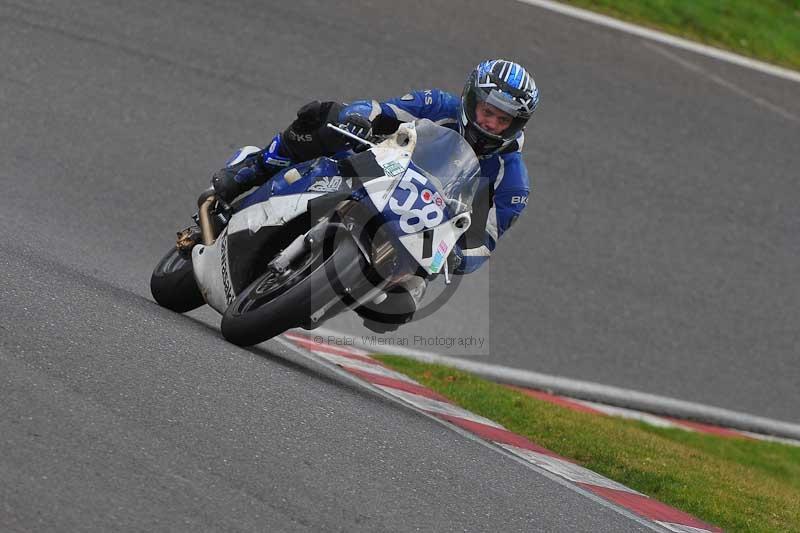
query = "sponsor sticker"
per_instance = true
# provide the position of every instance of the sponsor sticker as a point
(277, 162)
(438, 200)
(393, 168)
(436, 264)
(426, 196)
(226, 281)
(327, 184)
(439, 257)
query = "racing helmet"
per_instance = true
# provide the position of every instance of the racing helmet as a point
(508, 87)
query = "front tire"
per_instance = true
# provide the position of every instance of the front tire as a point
(274, 302)
(173, 285)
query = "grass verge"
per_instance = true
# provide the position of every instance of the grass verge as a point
(739, 485)
(763, 29)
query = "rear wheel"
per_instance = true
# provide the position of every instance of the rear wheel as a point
(173, 285)
(275, 302)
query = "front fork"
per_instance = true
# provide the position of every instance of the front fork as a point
(315, 237)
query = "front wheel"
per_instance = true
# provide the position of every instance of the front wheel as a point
(173, 285)
(275, 302)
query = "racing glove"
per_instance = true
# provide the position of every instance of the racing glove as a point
(309, 137)
(358, 125)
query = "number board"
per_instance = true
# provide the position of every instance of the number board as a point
(415, 203)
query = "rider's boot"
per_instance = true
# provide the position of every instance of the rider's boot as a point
(249, 168)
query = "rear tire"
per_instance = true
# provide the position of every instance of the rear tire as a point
(172, 283)
(276, 302)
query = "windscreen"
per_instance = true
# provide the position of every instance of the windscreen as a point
(449, 162)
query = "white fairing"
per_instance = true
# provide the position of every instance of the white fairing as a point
(394, 159)
(211, 264)
(274, 212)
(445, 237)
(211, 268)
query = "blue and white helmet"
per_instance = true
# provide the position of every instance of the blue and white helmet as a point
(505, 85)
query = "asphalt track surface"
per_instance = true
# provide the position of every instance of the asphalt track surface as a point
(659, 252)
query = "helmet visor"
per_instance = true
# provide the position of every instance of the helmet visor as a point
(500, 101)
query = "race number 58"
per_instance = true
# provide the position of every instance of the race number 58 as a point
(414, 220)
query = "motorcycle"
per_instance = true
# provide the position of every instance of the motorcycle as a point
(325, 236)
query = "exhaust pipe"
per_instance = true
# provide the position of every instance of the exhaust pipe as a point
(206, 226)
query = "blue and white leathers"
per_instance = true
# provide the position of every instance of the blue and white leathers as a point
(504, 184)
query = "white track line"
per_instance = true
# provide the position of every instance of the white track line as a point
(671, 40)
(571, 471)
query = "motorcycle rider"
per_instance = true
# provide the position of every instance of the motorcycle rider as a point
(496, 103)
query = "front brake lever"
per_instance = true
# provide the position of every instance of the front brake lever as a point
(350, 135)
